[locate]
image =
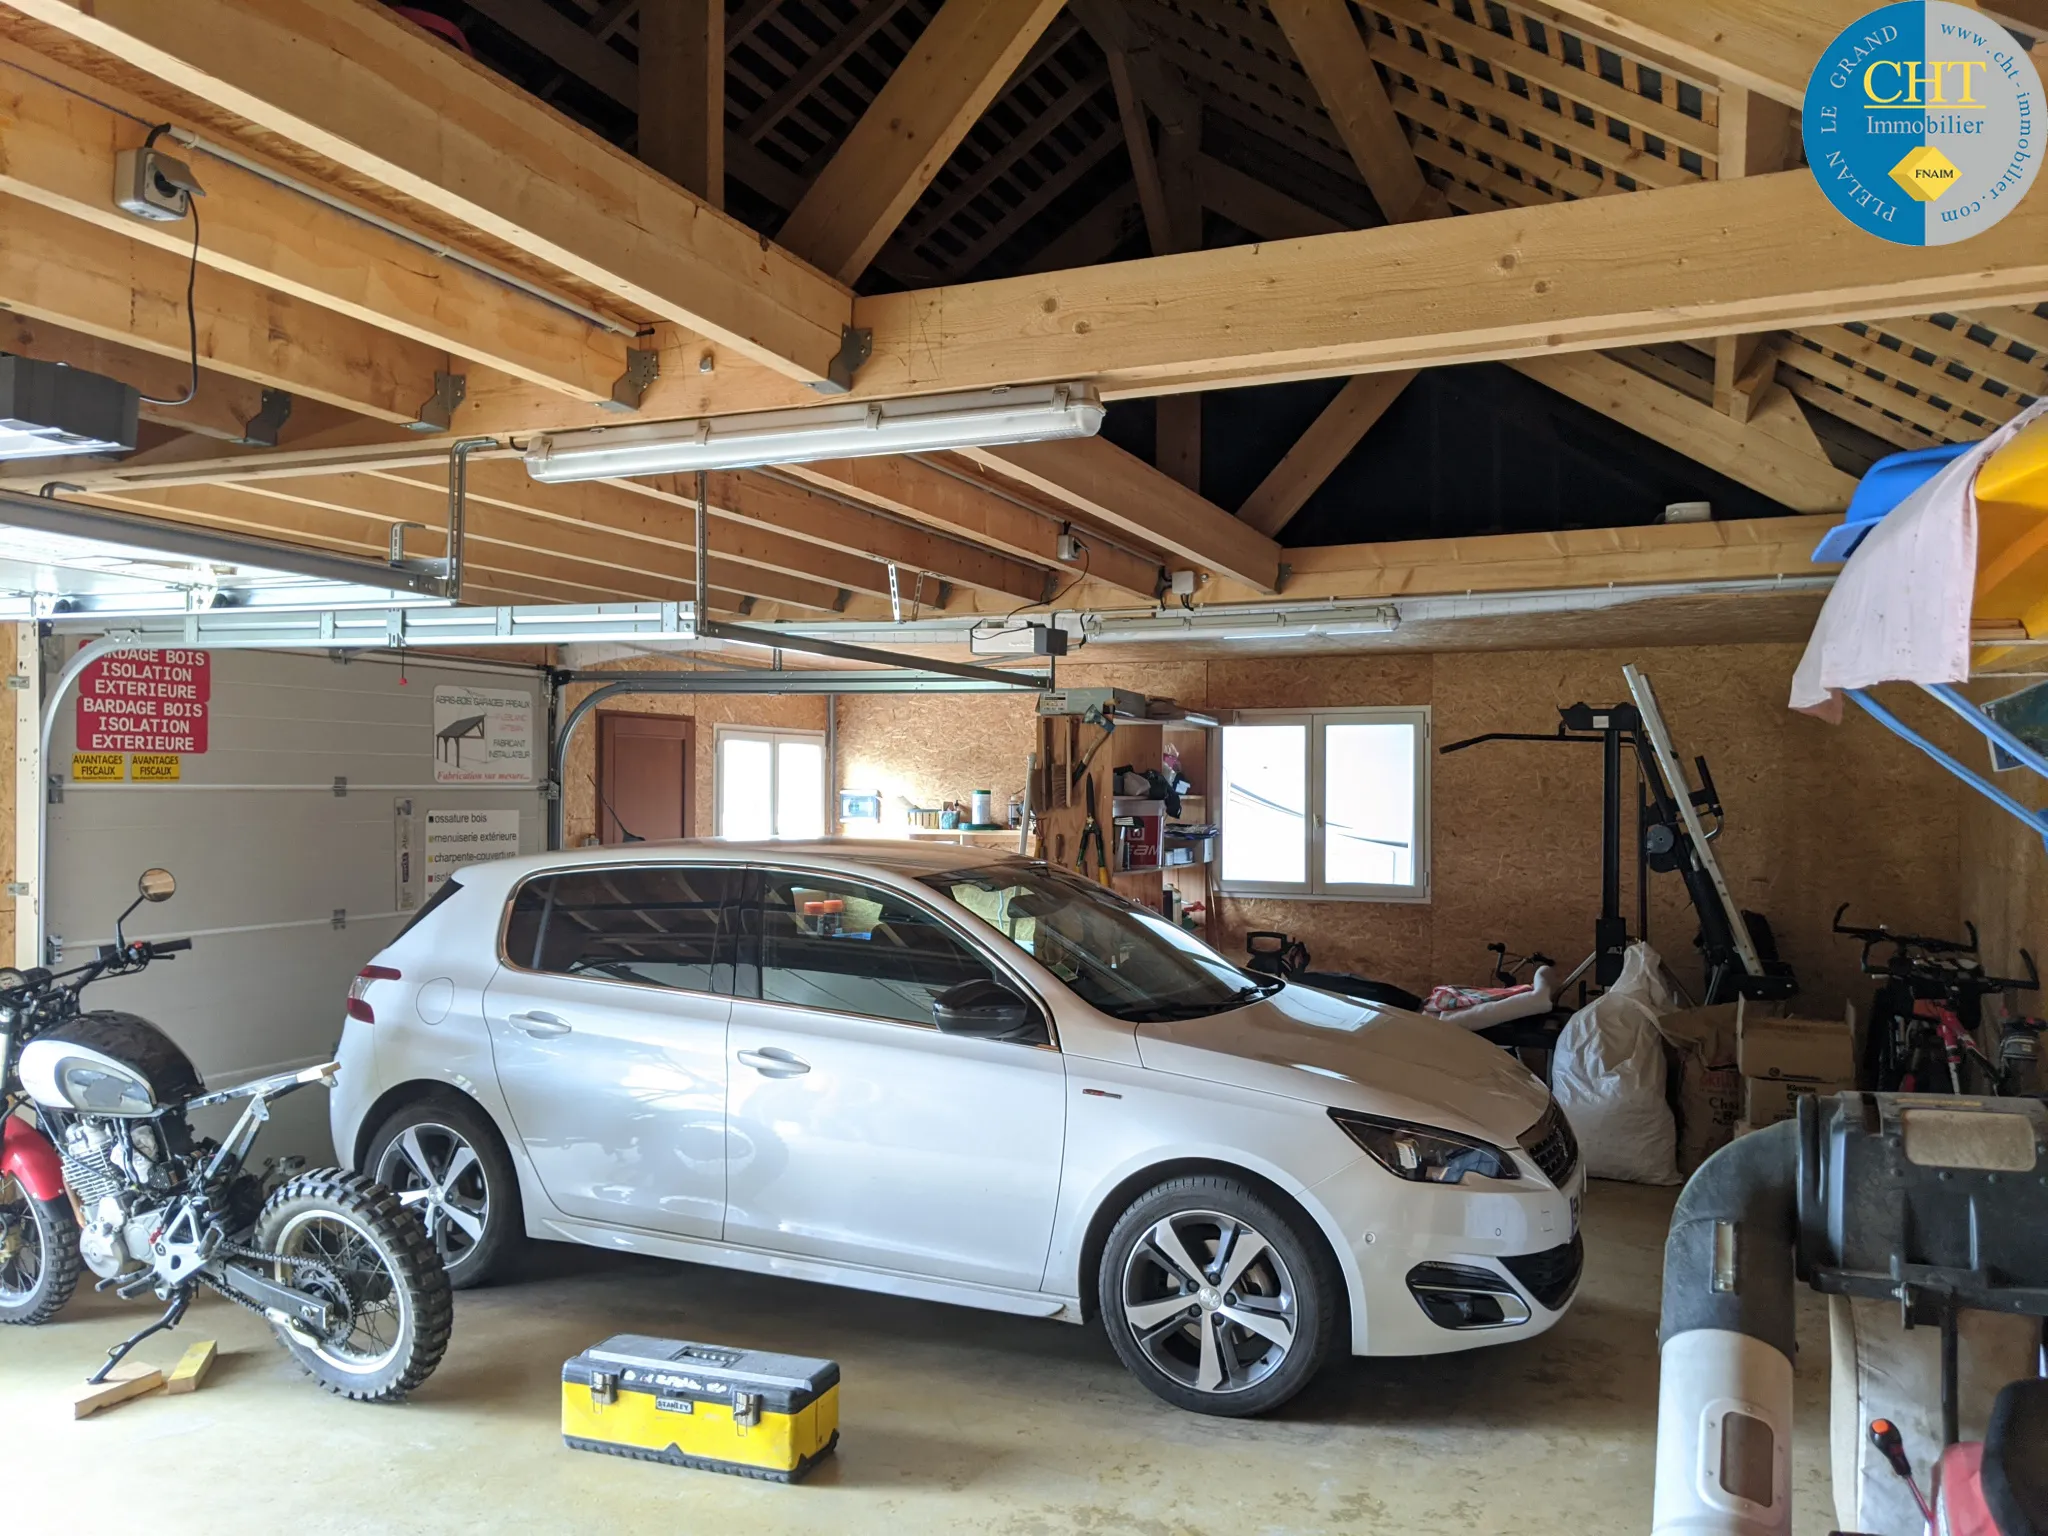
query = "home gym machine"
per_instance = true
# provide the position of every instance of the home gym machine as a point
(1736, 946)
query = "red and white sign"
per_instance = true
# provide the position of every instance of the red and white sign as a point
(145, 701)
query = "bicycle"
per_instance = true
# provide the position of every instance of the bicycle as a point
(1926, 1018)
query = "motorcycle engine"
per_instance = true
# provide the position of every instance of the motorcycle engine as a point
(110, 1167)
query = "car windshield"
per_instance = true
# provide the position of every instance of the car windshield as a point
(1119, 957)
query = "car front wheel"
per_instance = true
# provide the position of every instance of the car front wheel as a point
(1216, 1299)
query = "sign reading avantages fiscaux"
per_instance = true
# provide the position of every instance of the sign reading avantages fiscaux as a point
(1923, 123)
(152, 702)
(482, 735)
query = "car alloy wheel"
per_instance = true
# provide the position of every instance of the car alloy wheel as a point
(438, 1176)
(1210, 1301)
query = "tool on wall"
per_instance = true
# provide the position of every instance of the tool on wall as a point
(1091, 832)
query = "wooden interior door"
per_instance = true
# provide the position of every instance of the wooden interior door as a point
(643, 777)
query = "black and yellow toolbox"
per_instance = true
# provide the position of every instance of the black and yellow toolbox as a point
(700, 1405)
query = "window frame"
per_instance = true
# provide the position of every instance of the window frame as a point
(774, 735)
(747, 953)
(724, 960)
(1316, 886)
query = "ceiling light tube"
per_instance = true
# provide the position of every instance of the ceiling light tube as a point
(1306, 623)
(854, 429)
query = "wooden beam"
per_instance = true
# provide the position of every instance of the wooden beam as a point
(1744, 368)
(682, 93)
(1255, 205)
(1116, 490)
(58, 149)
(838, 522)
(1756, 134)
(106, 285)
(962, 59)
(965, 500)
(1327, 43)
(221, 411)
(1768, 46)
(350, 81)
(1739, 549)
(1775, 453)
(1319, 450)
(1759, 253)
(1144, 161)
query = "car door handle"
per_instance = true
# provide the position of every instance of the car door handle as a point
(537, 1024)
(770, 1061)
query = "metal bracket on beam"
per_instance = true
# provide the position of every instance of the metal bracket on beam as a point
(856, 346)
(437, 412)
(643, 367)
(260, 430)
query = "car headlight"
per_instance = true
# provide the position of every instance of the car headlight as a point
(1424, 1155)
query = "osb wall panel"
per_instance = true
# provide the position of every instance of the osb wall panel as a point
(707, 710)
(2004, 874)
(1817, 814)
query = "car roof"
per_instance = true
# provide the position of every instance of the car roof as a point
(903, 858)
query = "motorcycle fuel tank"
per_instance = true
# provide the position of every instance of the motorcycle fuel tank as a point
(108, 1063)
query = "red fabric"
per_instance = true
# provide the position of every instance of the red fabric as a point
(26, 1154)
(440, 26)
(1960, 1507)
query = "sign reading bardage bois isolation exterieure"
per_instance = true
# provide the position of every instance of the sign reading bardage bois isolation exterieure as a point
(145, 701)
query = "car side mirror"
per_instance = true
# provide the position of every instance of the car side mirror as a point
(985, 1010)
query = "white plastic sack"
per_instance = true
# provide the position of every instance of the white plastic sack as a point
(1608, 1075)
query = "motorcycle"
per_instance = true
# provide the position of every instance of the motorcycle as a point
(100, 1167)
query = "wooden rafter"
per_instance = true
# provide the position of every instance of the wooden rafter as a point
(1327, 45)
(58, 149)
(1774, 453)
(366, 89)
(916, 122)
(1318, 451)
(1768, 47)
(104, 284)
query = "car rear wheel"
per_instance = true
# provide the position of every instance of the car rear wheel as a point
(445, 1162)
(1216, 1299)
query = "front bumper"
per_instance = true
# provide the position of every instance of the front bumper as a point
(1516, 1239)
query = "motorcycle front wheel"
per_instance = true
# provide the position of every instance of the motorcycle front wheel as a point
(347, 1240)
(38, 1254)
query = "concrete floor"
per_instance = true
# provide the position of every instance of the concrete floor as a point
(951, 1421)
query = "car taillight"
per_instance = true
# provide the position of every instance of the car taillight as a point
(359, 990)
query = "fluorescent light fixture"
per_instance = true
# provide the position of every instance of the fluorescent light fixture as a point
(1034, 413)
(50, 411)
(1292, 623)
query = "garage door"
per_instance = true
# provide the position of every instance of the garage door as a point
(314, 805)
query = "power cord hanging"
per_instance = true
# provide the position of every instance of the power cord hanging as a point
(191, 290)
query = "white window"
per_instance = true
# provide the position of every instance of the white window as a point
(770, 783)
(1333, 803)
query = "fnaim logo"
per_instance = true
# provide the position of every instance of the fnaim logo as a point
(1923, 123)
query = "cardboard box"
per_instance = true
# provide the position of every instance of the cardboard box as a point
(1767, 1100)
(1805, 1050)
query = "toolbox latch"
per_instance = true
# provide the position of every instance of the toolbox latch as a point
(604, 1387)
(746, 1409)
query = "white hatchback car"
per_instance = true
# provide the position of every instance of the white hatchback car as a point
(941, 1073)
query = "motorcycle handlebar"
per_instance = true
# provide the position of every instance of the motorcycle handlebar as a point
(168, 947)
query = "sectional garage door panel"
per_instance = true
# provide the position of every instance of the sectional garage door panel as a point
(267, 854)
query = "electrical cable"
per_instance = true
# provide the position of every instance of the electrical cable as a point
(1051, 607)
(191, 289)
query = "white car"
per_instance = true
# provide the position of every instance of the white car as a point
(940, 1073)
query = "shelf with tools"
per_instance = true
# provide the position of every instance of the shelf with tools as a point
(1129, 840)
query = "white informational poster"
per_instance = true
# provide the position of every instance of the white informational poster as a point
(457, 838)
(482, 735)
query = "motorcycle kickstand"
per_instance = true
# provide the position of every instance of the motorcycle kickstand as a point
(172, 1314)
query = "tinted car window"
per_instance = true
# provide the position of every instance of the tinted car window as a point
(659, 926)
(829, 943)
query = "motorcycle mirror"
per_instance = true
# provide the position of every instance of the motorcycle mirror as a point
(157, 885)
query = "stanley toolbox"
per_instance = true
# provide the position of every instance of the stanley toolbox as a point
(697, 1405)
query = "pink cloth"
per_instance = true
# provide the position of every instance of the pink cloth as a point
(1900, 610)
